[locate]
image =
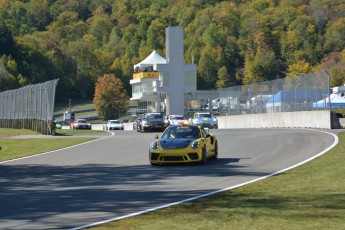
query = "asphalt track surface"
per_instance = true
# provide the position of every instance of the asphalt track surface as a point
(111, 178)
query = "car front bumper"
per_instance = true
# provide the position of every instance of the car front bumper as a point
(187, 155)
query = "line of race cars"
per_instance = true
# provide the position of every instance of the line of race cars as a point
(82, 123)
(182, 141)
(157, 122)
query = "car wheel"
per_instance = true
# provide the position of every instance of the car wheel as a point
(203, 157)
(215, 156)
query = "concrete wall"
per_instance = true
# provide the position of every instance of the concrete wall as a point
(129, 126)
(304, 119)
(342, 122)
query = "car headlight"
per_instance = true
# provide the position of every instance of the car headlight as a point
(154, 145)
(195, 144)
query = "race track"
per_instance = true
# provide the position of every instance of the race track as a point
(112, 177)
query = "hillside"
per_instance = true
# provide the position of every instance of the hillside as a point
(232, 42)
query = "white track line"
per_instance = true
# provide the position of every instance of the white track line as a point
(336, 140)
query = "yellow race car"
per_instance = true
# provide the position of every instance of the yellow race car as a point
(184, 143)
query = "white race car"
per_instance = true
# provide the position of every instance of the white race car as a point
(113, 125)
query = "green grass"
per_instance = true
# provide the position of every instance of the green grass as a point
(4, 132)
(16, 148)
(311, 196)
(67, 132)
(339, 110)
(76, 105)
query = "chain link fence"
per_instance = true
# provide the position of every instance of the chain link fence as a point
(30, 107)
(300, 93)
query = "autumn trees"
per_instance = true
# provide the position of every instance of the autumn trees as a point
(232, 42)
(110, 98)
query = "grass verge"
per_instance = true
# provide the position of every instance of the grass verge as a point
(16, 148)
(4, 132)
(311, 196)
(79, 132)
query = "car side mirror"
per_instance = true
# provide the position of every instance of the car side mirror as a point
(156, 137)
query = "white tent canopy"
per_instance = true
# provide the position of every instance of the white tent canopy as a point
(336, 102)
(152, 59)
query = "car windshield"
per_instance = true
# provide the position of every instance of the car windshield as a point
(181, 132)
(154, 116)
(114, 122)
(82, 120)
(203, 115)
(176, 118)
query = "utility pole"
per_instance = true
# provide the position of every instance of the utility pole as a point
(69, 105)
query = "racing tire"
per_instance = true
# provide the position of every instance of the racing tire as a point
(203, 157)
(215, 156)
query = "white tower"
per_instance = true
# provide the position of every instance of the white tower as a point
(176, 77)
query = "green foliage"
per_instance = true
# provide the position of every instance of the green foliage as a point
(7, 44)
(78, 41)
(335, 64)
(300, 68)
(223, 78)
(260, 67)
(335, 35)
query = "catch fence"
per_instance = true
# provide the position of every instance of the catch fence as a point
(30, 107)
(300, 93)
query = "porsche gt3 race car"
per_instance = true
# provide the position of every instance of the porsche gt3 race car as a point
(80, 124)
(205, 119)
(113, 125)
(183, 144)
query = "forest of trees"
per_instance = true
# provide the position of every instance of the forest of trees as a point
(232, 42)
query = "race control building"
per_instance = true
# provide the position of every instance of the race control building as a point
(166, 84)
